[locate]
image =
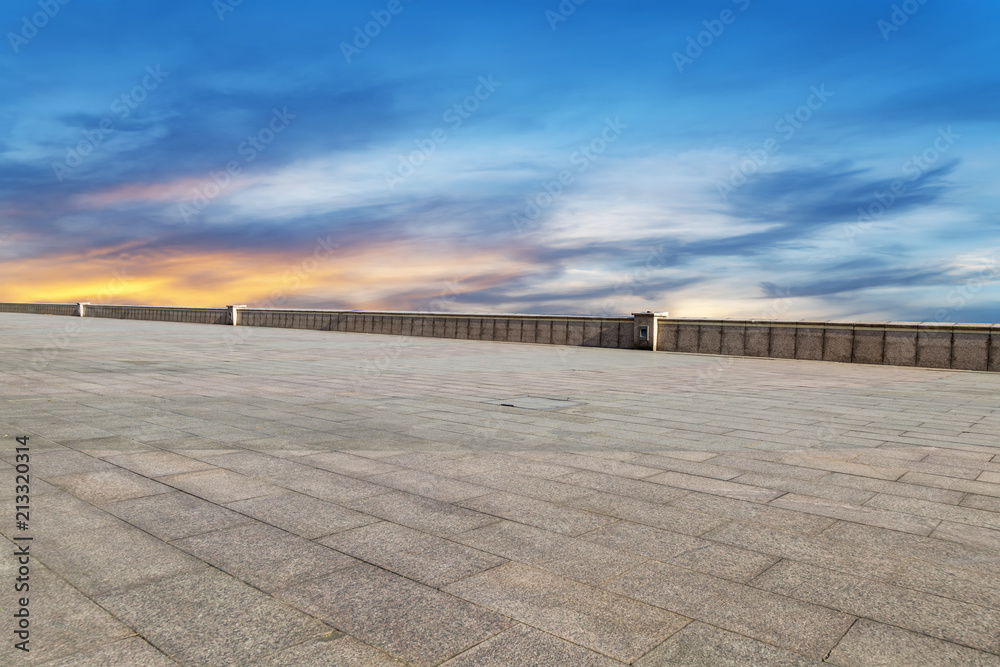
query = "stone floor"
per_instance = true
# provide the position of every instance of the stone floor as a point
(203, 495)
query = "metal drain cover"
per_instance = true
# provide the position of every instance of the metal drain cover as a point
(537, 403)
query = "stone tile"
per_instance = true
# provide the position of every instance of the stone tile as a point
(157, 463)
(932, 615)
(715, 487)
(235, 623)
(687, 456)
(171, 516)
(806, 460)
(789, 624)
(950, 582)
(64, 621)
(365, 602)
(872, 517)
(772, 468)
(106, 486)
(348, 464)
(525, 485)
(335, 648)
(665, 546)
(618, 468)
(500, 461)
(424, 514)
(575, 558)
(110, 558)
(944, 511)
(895, 488)
(871, 644)
(412, 554)
(522, 645)
(56, 514)
(974, 535)
(326, 485)
(616, 626)
(981, 502)
(767, 515)
(301, 514)
(942, 482)
(538, 513)
(877, 457)
(302, 389)
(439, 464)
(650, 514)
(59, 462)
(915, 546)
(253, 463)
(220, 486)
(700, 645)
(131, 651)
(710, 470)
(806, 487)
(429, 485)
(622, 486)
(813, 550)
(264, 556)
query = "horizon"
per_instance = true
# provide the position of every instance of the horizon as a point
(738, 159)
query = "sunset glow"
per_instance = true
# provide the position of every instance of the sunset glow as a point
(820, 160)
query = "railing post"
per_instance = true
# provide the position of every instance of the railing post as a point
(234, 314)
(81, 308)
(644, 330)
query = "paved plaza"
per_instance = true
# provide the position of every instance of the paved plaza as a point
(212, 495)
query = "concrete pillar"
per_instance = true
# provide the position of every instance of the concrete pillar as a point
(234, 314)
(81, 308)
(644, 330)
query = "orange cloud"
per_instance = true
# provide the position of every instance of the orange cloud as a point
(397, 275)
(179, 190)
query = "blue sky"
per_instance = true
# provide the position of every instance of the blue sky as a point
(729, 159)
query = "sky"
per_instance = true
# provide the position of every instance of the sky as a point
(721, 158)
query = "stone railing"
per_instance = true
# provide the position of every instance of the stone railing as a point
(39, 308)
(159, 313)
(553, 330)
(925, 344)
